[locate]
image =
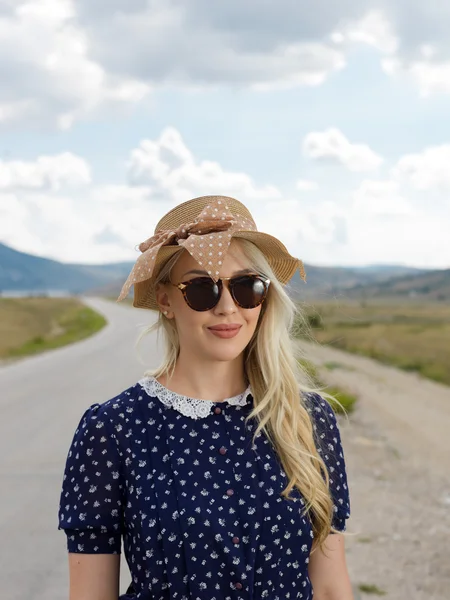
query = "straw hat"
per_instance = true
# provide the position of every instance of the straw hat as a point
(204, 227)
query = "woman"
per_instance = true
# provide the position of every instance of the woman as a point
(222, 470)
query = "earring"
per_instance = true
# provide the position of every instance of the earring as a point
(165, 312)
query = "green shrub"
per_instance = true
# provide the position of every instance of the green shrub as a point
(315, 321)
(371, 589)
(346, 400)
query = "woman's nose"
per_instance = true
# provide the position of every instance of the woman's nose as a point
(226, 304)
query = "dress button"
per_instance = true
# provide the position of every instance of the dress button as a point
(238, 585)
(236, 540)
(223, 450)
(230, 492)
(217, 410)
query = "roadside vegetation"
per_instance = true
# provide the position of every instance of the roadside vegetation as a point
(345, 400)
(32, 325)
(413, 337)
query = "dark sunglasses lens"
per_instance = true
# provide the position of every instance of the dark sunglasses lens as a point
(202, 293)
(248, 292)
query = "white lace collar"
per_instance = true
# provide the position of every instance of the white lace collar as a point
(189, 407)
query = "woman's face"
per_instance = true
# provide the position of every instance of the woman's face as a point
(196, 338)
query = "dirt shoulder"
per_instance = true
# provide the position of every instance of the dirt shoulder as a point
(397, 448)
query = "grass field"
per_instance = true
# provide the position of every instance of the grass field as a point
(413, 337)
(31, 325)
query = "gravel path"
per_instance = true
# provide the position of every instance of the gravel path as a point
(397, 447)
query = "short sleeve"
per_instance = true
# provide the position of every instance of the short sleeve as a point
(329, 445)
(91, 502)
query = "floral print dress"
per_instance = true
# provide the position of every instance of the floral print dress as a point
(196, 504)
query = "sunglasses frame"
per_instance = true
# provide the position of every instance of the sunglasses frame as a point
(185, 284)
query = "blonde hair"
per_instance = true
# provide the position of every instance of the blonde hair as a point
(277, 379)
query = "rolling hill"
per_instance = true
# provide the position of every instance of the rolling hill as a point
(21, 272)
(24, 273)
(432, 285)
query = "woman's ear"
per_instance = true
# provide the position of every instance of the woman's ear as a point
(162, 299)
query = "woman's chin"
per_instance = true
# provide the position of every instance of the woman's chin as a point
(228, 353)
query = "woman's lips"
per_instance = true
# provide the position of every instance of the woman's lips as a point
(225, 331)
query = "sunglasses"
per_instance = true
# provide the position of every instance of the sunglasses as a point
(203, 293)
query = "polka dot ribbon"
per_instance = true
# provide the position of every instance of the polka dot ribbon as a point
(207, 239)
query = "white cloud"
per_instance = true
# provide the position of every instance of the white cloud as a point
(301, 226)
(430, 76)
(332, 145)
(107, 196)
(104, 223)
(128, 212)
(373, 29)
(173, 174)
(305, 185)
(65, 60)
(15, 110)
(168, 167)
(427, 169)
(46, 172)
(409, 239)
(281, 69)
(284, 45)
(409, 52)
(197, 44)
(108, 236)
(381, 198)
(14, 225)
(47, 73)
(62, 227)
(62, 61)
(329, 223)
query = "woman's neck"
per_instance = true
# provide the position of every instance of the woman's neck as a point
(214, 381)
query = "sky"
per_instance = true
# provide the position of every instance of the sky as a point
(329, 121)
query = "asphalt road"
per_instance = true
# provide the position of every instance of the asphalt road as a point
(41, 402)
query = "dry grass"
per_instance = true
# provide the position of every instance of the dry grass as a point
(32, 325)
(414, 337)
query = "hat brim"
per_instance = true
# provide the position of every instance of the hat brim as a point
(283, 264)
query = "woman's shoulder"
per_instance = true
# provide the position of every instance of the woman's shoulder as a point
(316, 403)
(115, 408)
(322, 414)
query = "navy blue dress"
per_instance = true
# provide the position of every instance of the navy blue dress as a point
(197, 505)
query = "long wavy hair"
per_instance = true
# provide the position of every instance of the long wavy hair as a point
(274, 370)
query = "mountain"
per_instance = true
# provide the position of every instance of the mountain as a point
(429, 285)
(26, 273)
(326, 282)
(21, 272)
